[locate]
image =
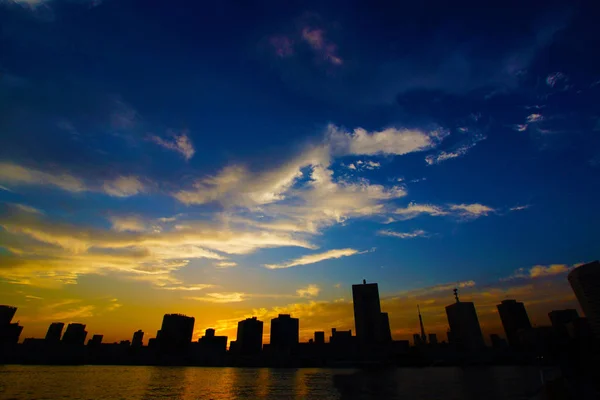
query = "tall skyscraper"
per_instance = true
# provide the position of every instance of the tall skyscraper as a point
(385, 331)
(423, 335)
(559, 320)
(176, 332)
(514, 318)
(55, 332)
(95, 341)
(464, 325)
(285, 331)
(319, 337)
(249, 336)
(367, 312)
(75, 334)
(9, 331)
(138, 339)
(585, 281)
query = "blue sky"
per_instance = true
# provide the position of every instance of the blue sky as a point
(266, 155)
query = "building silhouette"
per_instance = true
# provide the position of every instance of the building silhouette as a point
(514, 319)
(285, 331)
(433, 339)
(423, 335)
(585, 281)
(465, 331)
(319, 337)
(138, 339)
(176, 332)
(95, 341)
(560, 320)
(9, 331)
(210, 343)
(55, 332)
(497, 342)
(385, 331)
(371, 326)
(75, 334)
(249, 337)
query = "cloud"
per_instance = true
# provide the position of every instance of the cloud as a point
(5, 188)
(311, 290)
(531, 118)
(520, 127)
(226, 264)
(519, 208)
(413, 210)
(471, 210)
(315, 258)
(327, 50)
(180, 142)
(225, 297)
(123, 186)
(363, 165)
(388, 141)
(283, 46)
(14, 174)
(553, 78)
(404, 235)
(26, 208)
(128, 224)
(123, 117)
(18, 175)
(189, 288)
(540, 271)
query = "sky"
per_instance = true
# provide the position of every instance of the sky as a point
(233, 159)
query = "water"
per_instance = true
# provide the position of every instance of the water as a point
(117, 382)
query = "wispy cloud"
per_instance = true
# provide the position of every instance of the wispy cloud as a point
(179, 142)
(413, 210)
(225, 297)
(129, 223)
(531, 118)
(189, 288)
(519, 208)
(226, 264)
(471, 210)
(520, 127)
(311, 290)
(540, 271)
(283, 46)
(404, 235)
(326, 49)
(315, 258)
(123, 186)
(552, 79)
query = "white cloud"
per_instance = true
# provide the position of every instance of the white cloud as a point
(123, 186)
(315, 258)
(519, 208)
(225, 297)
(520, 127)
(465, 211)
(189, 288)
(130, 223)
(17, 175)
(326, 49)
(534, 118)
(471, 210)
(180, 142)
(413, 210)
(553, 78)
(404, 235)
(311, 290)
(540, 271)
(226, 264)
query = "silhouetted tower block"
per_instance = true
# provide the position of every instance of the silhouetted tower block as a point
(464, 325)
(75, 334)
(285, 331)
(9, 332)
(340, 337)
(367, 313)
(95, 341)
(319, 337)
(559, 320)
(175, 332)
(384, 329)
(514, 319)
(210, 332)
(249, 336)
(433, 339)
(423, 335)
(417, 340)
(585, 281)
(211, 345)
(54, 332)
(125, 343)
(138, 339)
(6, 314)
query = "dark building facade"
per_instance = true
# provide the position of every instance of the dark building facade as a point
(465, 331)
(95, 341)
(75, 334)
(514, 319)
(55, 332)
(138, 339)
(560, 320)
(176, 332)
(367, 313)
(585, 281)
(9, 331)
(7, 313)
(285, 331)
(319, 337)
(249, 337)
(384, 328)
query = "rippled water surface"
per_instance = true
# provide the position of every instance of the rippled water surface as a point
(116, 382)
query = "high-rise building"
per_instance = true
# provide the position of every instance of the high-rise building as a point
(55, 332)
(585, 281)
(95, 341)
(464, 325)
(138, 339)
(249, 336)
(514, 319)
(9, 331)
(384, 329)
(211, 345)
(560, 319)
(75, 334)
(417, 340)
(319, 337)
(175, 332)
(285, 331)
(433, 339)
(7, 313)
(498, 342)
(367, 312)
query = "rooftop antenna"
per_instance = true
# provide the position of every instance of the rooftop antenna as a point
(423, 336)
(364, 281)
(456, 295)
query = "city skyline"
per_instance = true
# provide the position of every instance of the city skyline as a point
(229, 160)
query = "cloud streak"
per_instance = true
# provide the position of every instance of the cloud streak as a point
(404, 235)
(315, 258)
(178, 142)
